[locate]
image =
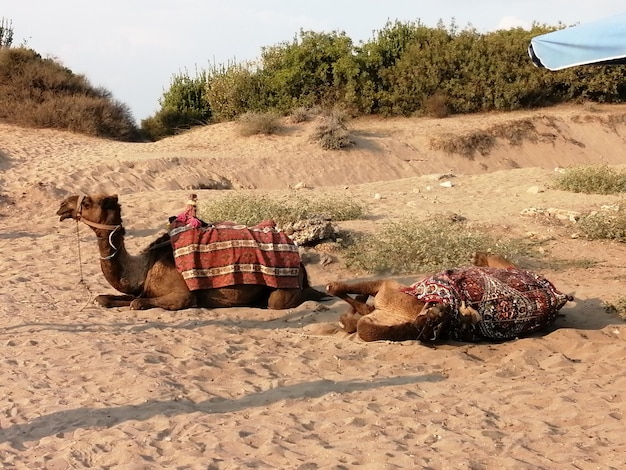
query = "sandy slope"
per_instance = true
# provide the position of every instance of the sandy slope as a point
(247, 388)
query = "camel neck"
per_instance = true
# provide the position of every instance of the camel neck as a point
(117, 265)
(110, 242)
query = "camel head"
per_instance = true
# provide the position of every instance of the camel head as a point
(100, 209)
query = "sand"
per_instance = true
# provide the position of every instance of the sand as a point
(87, 387)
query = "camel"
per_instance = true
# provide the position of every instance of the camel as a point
(150, 279)
(424, 311)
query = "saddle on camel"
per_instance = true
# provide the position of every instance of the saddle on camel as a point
(490, 301)
(195, 264)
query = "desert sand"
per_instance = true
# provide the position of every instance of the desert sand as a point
(87, 387)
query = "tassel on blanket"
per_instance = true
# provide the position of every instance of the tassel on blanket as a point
(188, 217)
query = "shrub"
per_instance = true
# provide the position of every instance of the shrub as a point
(332, 133)
(266, 123)
(436, 105)
(38, 92)
(416, 247)
(234, 90)
(619, 307)
(604, 225)
(300, 114)
(592, 179)
(183, 106)
(250, 209)
(466, 145)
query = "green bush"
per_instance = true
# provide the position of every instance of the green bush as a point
(592, 179)
(416, 247)
(234, 90)
(604, 225)
(250, 209)
(183, 106)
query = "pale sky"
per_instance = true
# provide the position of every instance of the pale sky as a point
(134, 47)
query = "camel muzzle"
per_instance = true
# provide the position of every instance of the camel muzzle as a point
(66, 213)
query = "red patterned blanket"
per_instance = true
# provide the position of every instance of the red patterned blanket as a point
(489, 303)
(227, 254)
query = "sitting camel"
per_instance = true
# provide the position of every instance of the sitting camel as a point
(492, 301)
(151, 278)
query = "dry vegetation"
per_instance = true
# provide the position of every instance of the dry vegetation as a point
(483, 141)
(250, 208)
(266, 123)
(411, 246)
(592, 179)
(332, 131)
(40, 92)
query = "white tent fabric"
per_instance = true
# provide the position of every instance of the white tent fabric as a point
(596, 43)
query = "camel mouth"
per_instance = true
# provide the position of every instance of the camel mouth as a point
(65, 213)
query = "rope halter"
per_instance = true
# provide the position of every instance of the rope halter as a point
(111, 228)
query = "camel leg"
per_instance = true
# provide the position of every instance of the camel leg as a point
(491, 261)
(369, 330)
(109, 301)
(359, 305)
(338, 289)
(349, 320)
(172, 301)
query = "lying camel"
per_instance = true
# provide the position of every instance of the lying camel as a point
(151, 279)
(492, 301)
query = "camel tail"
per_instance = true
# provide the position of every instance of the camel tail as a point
(309, 293)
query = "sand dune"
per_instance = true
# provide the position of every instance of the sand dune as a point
(85, 387)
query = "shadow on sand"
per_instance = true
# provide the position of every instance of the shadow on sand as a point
(69, 420)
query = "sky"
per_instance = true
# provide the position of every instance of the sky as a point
(133, 48)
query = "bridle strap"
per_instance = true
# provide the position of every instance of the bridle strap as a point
(111, 228)
(79, 209)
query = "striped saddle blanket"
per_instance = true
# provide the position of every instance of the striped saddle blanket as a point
(488, 304)
(227, 254)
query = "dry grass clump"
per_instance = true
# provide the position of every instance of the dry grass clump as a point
(417, 247)
(604, 225)
(465, 145)
(436, 105)
(266, 123)
(592, 179)
(332, 131)
(300, 114)
(618, 307)
(483, 141)
(250, 209)
(516, 132)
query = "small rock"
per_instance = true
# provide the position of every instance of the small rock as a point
(378, 196)
(534, 190)
(446, 184)
(325, 259)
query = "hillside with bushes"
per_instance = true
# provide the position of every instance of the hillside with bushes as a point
(405, 69)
